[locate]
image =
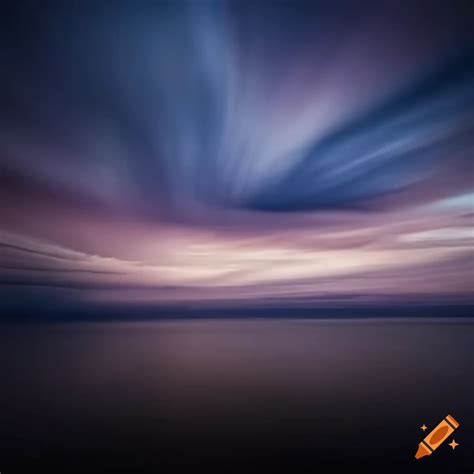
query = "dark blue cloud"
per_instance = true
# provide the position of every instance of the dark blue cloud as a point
(397, 145)
(163, 108)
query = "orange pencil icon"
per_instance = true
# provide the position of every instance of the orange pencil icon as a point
(436, 437)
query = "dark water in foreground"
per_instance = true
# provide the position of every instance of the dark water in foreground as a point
(234, 396)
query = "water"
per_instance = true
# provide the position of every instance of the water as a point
(230, 395)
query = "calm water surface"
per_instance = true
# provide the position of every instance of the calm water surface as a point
(272, 395)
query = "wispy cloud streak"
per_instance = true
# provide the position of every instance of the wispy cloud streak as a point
(237, 152)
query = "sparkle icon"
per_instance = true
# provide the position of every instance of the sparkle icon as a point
(453, 444)
(424, 427)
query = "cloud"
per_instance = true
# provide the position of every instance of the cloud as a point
(236, 151)
(395, 147)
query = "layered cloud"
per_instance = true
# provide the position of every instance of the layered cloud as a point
(239, 153)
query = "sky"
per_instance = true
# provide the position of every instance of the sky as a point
(235, 155)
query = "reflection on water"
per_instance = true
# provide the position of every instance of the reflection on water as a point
(299, 387)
